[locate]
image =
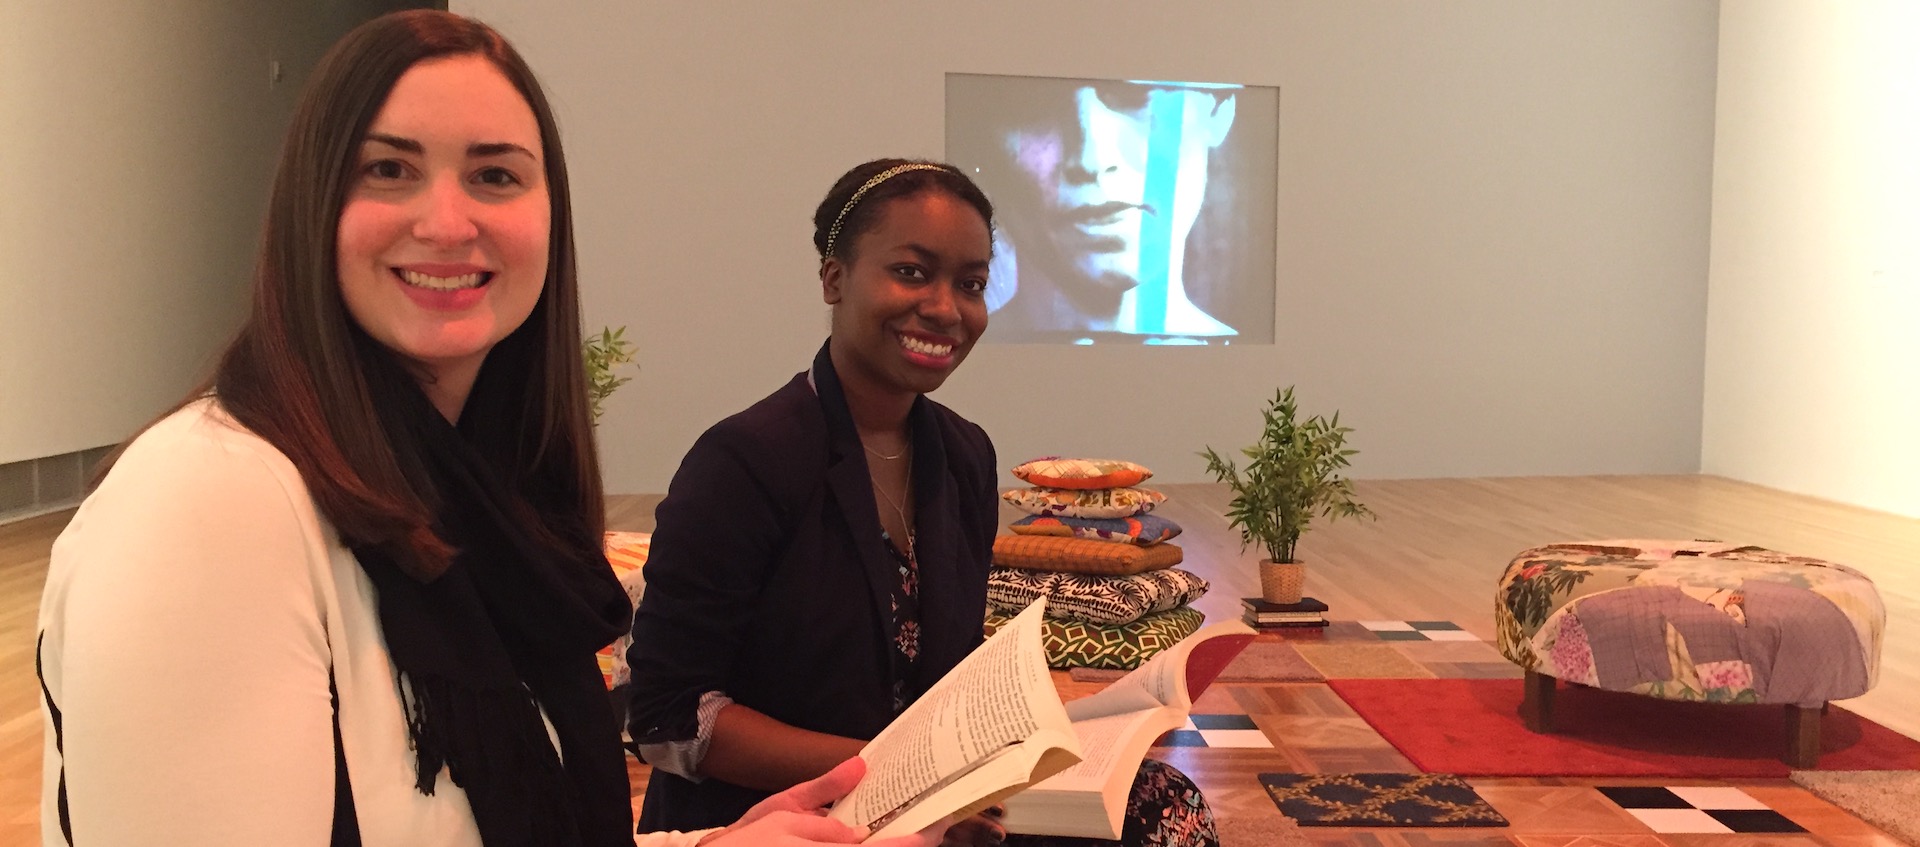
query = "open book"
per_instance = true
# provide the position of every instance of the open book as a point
(1115, 727)
(994, 726)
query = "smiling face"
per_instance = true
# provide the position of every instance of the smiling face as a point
(442, 243)
(910, 304)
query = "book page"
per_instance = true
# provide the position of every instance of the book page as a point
(1102, 740)
(1162, 680)
(999, 696)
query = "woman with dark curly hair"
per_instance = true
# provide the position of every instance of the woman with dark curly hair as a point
(821, 558)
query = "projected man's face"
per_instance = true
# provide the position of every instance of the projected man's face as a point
(1092, 173)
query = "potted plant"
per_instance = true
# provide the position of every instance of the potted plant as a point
(603, 353)
(1292, 476)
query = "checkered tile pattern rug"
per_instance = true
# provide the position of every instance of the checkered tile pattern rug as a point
(1703, 809)
(1418, 631)
(1217, 731)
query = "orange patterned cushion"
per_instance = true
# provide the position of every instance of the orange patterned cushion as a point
(1081, 474)
(1139, 529)
(1090, 503)
(1078, 555)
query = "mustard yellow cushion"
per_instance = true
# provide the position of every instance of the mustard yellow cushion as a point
(1078, 555)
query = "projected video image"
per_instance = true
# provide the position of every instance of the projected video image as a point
(1128, 211)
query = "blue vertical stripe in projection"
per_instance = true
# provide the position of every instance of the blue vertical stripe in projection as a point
(1156, 230)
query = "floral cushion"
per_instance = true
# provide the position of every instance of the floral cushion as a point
(1090, 598)
(1077, 644)
(1078, 555)
(1143, 530)
(1055, 472)
(1692, 620)
(1090, 503)
(627, 552)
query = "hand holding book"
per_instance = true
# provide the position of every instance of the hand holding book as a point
(994, 729)
(795, 817)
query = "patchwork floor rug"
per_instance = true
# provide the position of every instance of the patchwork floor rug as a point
(1418, 631)
(1379, 799)
(1275, 831)
(1882, 798)
(1705, 809)
(1217, 731)
(1472, 727)
(1095, 674)
(1361, 661)
(1269, 661)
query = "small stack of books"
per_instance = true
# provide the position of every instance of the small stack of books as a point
(1260, 613)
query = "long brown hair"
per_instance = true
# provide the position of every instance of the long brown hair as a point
(302, 375)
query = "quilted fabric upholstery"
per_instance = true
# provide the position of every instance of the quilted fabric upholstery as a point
(1692, 620)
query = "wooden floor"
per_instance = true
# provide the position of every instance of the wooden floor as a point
(1434, 554)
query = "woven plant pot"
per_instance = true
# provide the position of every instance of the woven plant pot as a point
(1282, 582)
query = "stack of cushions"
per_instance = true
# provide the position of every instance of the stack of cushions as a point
(627, 552)
(1090, 546)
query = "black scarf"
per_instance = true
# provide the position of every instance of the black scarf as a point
(510, 628)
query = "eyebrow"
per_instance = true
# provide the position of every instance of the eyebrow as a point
(479, 150)
(407, 144)
(931, 257)
(498, 148)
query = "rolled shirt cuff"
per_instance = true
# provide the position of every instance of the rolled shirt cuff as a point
(683, 758)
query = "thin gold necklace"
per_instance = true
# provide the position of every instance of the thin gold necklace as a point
(897, 510)
(879, 455)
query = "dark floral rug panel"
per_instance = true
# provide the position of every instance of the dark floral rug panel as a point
(1379, 799)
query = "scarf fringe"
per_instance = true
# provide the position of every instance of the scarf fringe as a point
(450, 727)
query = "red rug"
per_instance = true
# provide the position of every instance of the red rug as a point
(1472, 727)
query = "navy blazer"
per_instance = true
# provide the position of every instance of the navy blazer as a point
(768, 579)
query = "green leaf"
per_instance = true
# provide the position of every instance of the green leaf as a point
(1290, 478)
(601, 354)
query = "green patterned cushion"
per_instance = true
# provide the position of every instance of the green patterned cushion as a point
(1074, 644)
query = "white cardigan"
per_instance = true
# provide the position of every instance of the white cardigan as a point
(193, 609)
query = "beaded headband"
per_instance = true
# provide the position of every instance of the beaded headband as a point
(833, 235)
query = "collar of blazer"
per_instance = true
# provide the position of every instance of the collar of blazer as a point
(934, 495)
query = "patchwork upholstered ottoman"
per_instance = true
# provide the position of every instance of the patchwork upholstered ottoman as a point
(1691, 620)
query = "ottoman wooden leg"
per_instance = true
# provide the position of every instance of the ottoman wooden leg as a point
(1803, 736)
(1536, 707)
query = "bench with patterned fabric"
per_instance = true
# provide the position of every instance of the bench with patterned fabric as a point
(1691, 620)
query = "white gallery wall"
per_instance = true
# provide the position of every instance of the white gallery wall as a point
(1493, 216)
(137, 141)
(1813, 339)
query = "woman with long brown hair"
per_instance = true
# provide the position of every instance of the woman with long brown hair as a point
(352, 588)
